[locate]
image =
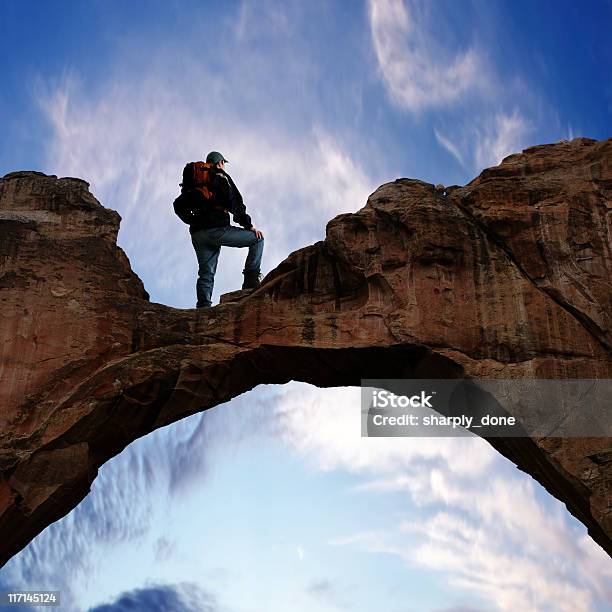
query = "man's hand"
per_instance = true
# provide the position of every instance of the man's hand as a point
(258, 233)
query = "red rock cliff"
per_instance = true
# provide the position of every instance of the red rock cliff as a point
(506, 277)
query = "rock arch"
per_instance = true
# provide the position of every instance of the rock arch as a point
(419, 283)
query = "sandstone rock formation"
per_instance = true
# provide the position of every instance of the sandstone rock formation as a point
(506, 277)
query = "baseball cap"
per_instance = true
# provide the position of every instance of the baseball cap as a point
(214, 157)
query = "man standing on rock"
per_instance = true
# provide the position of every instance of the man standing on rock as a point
(212, 230)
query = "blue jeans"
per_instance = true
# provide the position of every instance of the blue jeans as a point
(207, 244)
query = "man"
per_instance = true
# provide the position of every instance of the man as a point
(213, 230)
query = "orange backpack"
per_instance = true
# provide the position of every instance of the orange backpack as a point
(197, 175)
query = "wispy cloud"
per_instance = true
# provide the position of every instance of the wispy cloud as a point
(120, 509)
(131, 492)
(449, 146)
(65, 556)
(484, 525)
(292, 183)
(504, 134)
(479, 144)
(478, 121)
(131, 143)
(418, 73)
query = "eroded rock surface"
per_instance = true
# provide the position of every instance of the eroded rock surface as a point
(509, 276)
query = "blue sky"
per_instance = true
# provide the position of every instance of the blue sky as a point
(274, 501)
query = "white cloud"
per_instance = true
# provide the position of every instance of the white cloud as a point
(488, 527)
(416, 72)
(449, 146)
(479, 144)
(261, 18)
(132, 142)
(419, 73)
(504, 134)
(119, 535)
(331, 436)
(292, 183)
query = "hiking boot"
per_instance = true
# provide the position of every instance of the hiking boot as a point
(252, 279)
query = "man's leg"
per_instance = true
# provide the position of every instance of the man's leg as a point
(239, 237)
(208, 256)
(253, 260)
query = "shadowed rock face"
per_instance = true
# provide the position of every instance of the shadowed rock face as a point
(507, 277)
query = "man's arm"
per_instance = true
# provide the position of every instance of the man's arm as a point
(236, 204)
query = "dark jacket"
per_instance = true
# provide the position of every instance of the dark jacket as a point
(225, 196)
